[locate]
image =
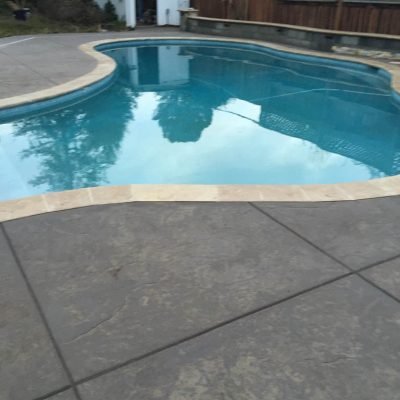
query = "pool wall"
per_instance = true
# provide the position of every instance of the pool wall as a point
(100, 77)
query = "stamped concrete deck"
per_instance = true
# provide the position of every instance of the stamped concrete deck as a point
(203, 301)
(199, 301)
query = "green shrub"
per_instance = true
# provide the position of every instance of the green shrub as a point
(109, 12)
(74, 11)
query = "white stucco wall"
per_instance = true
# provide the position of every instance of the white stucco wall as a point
(130, 13)
(163, 18)
(173, 69)
(171, 18)
(132, 60)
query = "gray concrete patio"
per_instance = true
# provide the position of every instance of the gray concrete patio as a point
(199, 301)
(203, 301)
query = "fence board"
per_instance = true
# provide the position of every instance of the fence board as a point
(357, 17)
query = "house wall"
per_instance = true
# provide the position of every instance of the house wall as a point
(163, 17)
(173, 17)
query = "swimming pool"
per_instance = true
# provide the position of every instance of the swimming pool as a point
(205, 112)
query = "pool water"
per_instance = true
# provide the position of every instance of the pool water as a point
(206, 113)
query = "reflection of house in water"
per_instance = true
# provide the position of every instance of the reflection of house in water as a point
(185, 106)
(324, 106)
(149, 69)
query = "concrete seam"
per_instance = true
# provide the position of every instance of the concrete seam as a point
(41, 312)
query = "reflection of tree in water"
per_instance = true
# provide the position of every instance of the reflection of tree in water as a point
(78, 144)
(184, 113)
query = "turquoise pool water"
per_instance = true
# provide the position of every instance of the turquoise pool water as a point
(208, 113)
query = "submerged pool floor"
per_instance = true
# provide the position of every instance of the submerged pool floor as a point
(209, 114)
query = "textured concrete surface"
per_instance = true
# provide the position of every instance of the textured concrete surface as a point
(157, 263)
(324, 345)
(32, 63)
(368, 234)
(67, 395)
(386, 276)
(202, 301)
(29, 366)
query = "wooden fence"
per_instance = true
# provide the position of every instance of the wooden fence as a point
(357, 17)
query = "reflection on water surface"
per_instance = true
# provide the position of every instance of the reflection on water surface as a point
(210, 115)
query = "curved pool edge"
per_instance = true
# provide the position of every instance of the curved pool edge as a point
(103, 195)
(104, 69)
(106, 66)
(58, 201)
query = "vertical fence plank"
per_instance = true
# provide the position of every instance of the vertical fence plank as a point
(360, 17)
(338, 15)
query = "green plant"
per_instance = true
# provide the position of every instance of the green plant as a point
(74, 11)
(109, 12)
(40, 24)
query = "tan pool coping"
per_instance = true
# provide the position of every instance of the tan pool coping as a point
(58, 201)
